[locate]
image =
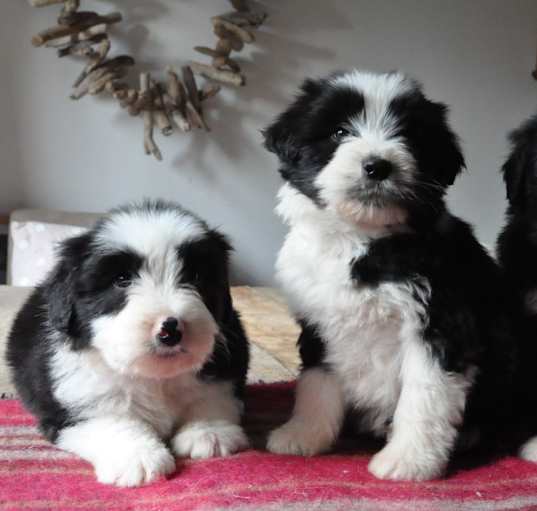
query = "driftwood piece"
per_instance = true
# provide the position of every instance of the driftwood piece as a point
(177, 95)
(209, 90)
(78, 18)
(223, 46)
(223, 62)
(149, 143)
(219, 75)
(70, 6)
(84, 35)
(128, 99)
(60, 31)
(191, 88)
(45, 3)
(240, 5)
(116, 64)
(195, 118)
(210, 52)
(96, 59)
(162, 119)
(82, 48)
(243, 34)
(236, 42)
(99, 84)
(245, 18)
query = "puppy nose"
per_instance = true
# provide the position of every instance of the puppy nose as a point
(377, 168)
(169, 333)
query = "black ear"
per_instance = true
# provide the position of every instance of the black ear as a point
(60, 285)
(520, 162)
(280, 135)
(448, 158)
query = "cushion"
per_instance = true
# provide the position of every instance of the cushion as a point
(36, 232)
(33, 249)
(271, 330)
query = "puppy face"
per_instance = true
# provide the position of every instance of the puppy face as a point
(366, 147)
(145, 289)
(520, 169)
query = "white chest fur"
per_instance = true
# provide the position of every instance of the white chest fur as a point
(365, 329)
(85, 385)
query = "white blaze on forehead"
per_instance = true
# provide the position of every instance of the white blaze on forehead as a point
(148, 232)
(378, 91)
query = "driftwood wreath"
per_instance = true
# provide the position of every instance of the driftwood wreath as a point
(176, 103)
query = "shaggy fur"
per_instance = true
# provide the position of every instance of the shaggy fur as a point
(402, 310)
(131, 342)
(517, 252)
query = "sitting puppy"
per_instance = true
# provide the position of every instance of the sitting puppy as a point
(131, 342)
(401, 308)
(517, 246)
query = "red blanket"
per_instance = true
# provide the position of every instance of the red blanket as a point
(34, 475)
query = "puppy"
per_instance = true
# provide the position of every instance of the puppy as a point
(132, 342)
(517, 249)
(402, 310)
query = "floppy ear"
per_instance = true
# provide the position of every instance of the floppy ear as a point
(60, 285)
(513, 171)
(280, 135)
(448, 157)
(520, 161)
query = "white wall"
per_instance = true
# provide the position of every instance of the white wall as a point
(475, 55)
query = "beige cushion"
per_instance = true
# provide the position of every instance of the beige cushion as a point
(33, 231)
(270, 328)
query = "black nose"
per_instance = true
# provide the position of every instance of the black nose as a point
(169, 334)
(377, 168)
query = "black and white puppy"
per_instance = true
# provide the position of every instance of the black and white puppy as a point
(132, 342)
(517, 247)
(401, 308)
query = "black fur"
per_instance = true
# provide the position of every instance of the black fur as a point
(517, 244)
(88, 282)
(470, 320)
(470, 317)
(305, 138)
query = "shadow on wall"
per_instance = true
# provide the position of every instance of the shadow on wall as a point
(272, 62)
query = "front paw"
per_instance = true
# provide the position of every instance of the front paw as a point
(404, 463)
(139, 466)
(298, 438)
(206, 439)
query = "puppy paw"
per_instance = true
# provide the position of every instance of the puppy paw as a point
(140, 466)
(529, 450)
(298, 438)
(401, 463)
(209, 439)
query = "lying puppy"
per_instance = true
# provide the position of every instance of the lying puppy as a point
(401, 308)
(517, 248)
(131, 342)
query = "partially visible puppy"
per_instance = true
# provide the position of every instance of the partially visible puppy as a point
(402, 310)
(517, 252)
(132, 341)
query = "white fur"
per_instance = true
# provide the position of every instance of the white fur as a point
(131, 394)
(126, 419)
(126, 340)
(205, 439)
(149, 231)
(317, 416)
(372, 133)
(124, 451)
(373, 344)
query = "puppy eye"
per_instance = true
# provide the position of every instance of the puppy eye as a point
(340, 133)
(123, 280)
